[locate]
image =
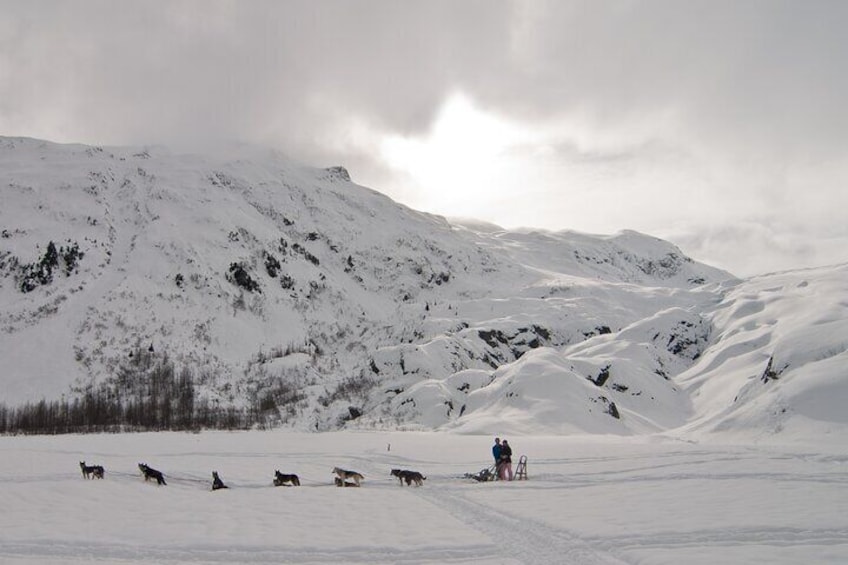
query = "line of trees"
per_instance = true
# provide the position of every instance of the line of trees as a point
(146, 394)
(94, 413)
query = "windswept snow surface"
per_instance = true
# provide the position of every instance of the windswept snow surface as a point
(588, 500)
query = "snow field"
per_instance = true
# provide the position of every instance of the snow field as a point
(600, 499)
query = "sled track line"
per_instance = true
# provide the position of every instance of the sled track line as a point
(777, 537)
(526, 541)
(71, 552)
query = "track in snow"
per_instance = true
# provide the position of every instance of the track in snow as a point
(527, 541)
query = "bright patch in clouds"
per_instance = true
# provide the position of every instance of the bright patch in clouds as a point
(563, 174)
(464, 162)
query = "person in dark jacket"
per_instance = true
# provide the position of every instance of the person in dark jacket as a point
(505, 467)
(496, 453)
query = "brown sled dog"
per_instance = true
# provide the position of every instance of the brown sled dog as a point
(92, 471)
(281, 479)
(409, 476)
(151, 473)
(344, 475)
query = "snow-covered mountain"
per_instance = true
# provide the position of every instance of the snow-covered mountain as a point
(326, 304)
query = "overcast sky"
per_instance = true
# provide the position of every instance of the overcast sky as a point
(720, 126)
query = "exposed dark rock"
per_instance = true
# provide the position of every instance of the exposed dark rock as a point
(770, 374)
(602, 376)
(493, 337)
(338, 172)
(272, 265)
(238, 275)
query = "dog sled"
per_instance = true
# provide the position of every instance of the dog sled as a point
(491, 473)
(484, 475)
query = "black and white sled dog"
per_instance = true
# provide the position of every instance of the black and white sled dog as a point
(281, 479)
(92, 471)
(344, 475)
(409, 476)
(151, 473)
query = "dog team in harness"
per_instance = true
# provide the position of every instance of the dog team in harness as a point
(501, 470)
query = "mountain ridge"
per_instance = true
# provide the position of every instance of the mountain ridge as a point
(260, 274)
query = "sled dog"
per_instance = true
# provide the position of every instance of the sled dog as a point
(217, 483)
(281, 479)
(151, 473)
(91, 471)
(344, 475)
(409, 476)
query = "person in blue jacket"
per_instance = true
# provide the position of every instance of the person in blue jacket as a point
(496, 453)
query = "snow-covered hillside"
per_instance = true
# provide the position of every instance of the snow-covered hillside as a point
(779, 360)
(327, 304)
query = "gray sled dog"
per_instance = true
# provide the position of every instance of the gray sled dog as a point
(281, 479)
(344, 475)
(92, 471)
(151, 473)
(409, 476)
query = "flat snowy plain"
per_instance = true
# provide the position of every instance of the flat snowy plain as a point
(588, 499)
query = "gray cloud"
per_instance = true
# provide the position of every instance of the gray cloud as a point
(720, 123)
(178, 70)
(737, 72)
